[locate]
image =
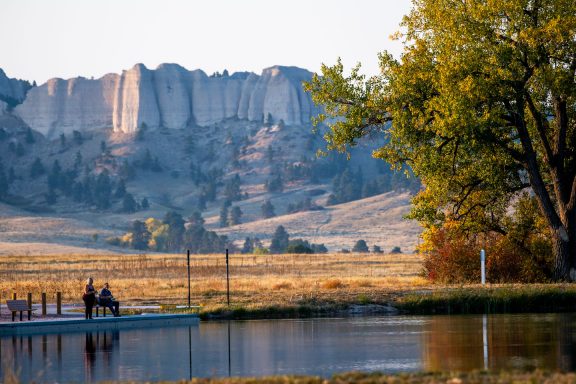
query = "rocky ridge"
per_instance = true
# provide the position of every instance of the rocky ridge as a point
(12, 91)
(168, 97)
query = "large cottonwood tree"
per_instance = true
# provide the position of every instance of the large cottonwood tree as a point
(481, 105)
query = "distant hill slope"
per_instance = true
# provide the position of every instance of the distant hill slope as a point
(378, 220)
(69, 175)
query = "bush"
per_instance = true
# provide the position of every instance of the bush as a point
(261, 251)
(451, 256)
(298, 249)
(451, 259)
(361, 247)
(115, 241)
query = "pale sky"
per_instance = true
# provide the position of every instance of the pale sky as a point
(42, 39)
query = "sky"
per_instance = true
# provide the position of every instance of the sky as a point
(42, 39)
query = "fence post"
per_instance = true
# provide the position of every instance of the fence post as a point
(43, 303)
(58, 303)
(227, 280)
(29, 300)
(13, 295)
(188, 263)
(483, 266)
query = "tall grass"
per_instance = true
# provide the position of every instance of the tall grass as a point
(497, 299)
(256, 280)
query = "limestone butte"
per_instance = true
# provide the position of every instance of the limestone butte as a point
(169, 97)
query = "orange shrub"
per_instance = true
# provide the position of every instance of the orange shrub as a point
(450, 256)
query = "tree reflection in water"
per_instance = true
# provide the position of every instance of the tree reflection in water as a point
(499, 342)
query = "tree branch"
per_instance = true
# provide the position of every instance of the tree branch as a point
(541, 126)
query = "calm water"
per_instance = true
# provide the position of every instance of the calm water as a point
(312, 346)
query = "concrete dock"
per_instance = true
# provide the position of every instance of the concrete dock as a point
(97, 324)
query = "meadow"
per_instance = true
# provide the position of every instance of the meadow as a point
(256, 281)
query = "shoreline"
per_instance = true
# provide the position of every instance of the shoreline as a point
(540, 298)
(443, 301)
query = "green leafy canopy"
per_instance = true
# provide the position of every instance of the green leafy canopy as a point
(480, 105)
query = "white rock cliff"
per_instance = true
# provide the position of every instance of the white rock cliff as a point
(168, 97)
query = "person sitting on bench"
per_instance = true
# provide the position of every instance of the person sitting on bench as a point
(105, 299)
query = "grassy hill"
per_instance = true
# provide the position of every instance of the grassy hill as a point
(338, 201)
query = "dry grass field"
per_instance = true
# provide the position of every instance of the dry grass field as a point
(255, 280)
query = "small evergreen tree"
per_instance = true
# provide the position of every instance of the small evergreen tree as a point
(267, 210)
(223, 221)
(280, 240)
(248, 246)
(77, 137)
(37, 169)
(77, 161)
(270, 154)
(103, 190)
(20, 151)
(55, 176)
(232, 189)
(275, 184)
(235, 216)
(147, 161)
(120, 189)
(140, 235)
(141, 133)
(144, 204)
(129, 205)
(176, 230)
(201, 203)
(4, 186)
(156, 167)
(30, 136)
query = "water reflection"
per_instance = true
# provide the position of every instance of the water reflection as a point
(315, 346)
(500, 342)
(101, 345)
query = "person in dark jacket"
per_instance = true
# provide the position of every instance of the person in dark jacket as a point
(105, 299)
(89, 297)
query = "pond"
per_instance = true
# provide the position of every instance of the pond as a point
(311, 346)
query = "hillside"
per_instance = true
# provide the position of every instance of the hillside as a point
(70, 176)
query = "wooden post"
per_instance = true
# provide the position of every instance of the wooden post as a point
(13, 295)
(58, 303)
(44, 304)
(188, 262)
(227, 280)
(29, 300)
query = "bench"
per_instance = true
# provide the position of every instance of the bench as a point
(19, 305)
(97, 307)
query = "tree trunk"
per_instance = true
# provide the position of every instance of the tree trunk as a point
(564, 255)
